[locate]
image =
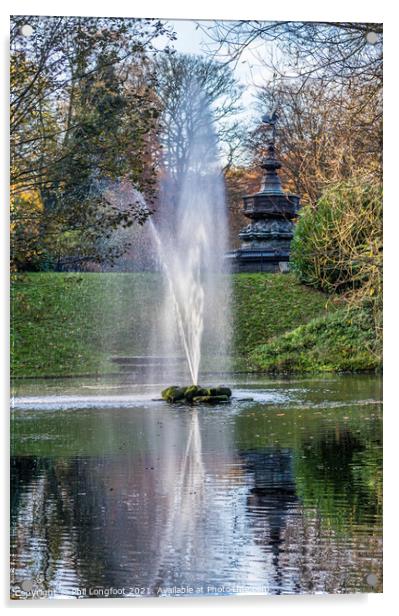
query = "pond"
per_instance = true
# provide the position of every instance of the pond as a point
(115, 494)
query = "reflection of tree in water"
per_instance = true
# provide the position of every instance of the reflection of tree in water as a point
(31, 476)
(335, 474)
(120, 520)
(22, 472)
(73, 514)
(167, 512)
(42, 529)
(313, 511)
(339, 475)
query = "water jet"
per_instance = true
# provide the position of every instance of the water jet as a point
(189, 234)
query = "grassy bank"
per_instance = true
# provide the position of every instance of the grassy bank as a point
(267, 305)
(340, 342)
(67, 324)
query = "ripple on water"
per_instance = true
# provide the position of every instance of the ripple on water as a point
(241, 499)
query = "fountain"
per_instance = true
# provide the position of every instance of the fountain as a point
(190, 240)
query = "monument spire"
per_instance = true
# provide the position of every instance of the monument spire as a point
(266, 240)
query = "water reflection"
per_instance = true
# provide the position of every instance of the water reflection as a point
(219, 500)
(271, 502)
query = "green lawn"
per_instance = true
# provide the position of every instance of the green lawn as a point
(267, 305)
(66, 324)
(70, 324)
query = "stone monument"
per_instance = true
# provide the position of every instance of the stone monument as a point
(265, 242)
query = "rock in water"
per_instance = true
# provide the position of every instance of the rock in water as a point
(219, 391)
(174, 393)
(195, 394)
(194, 391)
(210, 399)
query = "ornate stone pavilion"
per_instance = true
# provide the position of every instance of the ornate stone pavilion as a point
(265, 242)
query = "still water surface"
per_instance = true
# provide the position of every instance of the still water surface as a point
(116, 494)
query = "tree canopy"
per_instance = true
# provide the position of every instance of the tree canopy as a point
(83, 113)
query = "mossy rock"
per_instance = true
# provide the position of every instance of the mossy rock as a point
(194, 391)
(196, 394)
(210, 399)
(219, 391)
(174, 393)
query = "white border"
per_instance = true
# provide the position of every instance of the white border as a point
(339, 10)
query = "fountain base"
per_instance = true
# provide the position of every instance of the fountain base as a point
(195, 394)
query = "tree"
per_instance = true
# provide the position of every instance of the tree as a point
(337, 247)
(26, 210)
(335, 51)
(327, 89)
(324, 134)
(186, 85)
(82, 109)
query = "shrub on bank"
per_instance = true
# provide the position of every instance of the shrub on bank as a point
(337, 246)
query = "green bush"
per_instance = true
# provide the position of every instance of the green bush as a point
(337, 246)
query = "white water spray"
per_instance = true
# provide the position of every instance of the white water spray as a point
(191, 238)
(192, 365)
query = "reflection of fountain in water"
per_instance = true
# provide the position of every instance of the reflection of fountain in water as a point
(163, 497)
(187, 500)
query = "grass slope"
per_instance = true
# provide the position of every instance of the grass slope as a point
(67, 324)
(268, 305)
(341, 342)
